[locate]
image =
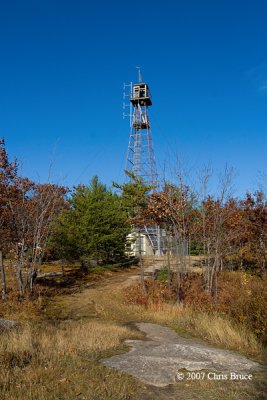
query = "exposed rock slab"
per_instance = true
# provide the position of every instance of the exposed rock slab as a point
(6, 324)
(157, 360)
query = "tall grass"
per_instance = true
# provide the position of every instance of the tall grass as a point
(52, 342)
(217, 329)
(59, 361)
(221, 331)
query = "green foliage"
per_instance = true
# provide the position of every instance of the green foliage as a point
(124, 264)
(196, 248)
(163, 274)
(95, 226)
(133, 195)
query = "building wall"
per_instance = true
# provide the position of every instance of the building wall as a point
(133, 245)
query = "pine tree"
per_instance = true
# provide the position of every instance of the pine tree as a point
(95, 226)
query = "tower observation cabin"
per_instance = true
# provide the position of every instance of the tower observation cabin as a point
(141, 95)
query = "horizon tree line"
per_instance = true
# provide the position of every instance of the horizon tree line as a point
(92, 222)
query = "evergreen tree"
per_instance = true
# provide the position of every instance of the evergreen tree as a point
(134, 196)
(94, 227)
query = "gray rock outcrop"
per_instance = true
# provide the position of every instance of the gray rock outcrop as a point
(6, 324)
(158, 359)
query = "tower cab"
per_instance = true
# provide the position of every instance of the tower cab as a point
(141, 95)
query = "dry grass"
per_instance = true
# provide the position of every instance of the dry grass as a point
(56, 357)
(68, 339)
(222, 331)
(216, 329)
(44, 361)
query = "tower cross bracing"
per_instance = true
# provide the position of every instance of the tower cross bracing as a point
(140, 155)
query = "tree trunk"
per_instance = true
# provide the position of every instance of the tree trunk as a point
(208, 269)
(179, 265)
(3, 276)
(19, 278)
(169, 260)
(141, 263)
(189, 252)
(213, 274)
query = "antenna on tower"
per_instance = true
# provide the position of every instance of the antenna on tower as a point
(139, 74)
(127, 105)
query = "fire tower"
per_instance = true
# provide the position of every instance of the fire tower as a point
(140, 157)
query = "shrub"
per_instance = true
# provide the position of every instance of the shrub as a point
(240, 296)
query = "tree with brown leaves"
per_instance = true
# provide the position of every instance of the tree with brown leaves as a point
(27, 210)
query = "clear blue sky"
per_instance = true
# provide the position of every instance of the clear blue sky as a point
(63, 65)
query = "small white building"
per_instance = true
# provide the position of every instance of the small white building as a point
(150, 241)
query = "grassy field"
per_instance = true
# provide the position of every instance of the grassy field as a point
(79, 319)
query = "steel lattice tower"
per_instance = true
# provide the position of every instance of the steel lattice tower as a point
(140, 155)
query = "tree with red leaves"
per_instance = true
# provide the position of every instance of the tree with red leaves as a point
(27, 210)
